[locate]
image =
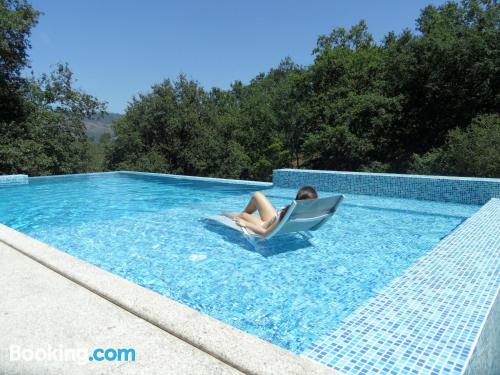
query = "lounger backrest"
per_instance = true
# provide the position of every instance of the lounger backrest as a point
(307, 215)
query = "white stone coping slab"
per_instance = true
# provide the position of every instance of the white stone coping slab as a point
(42, 311)
(236, 348)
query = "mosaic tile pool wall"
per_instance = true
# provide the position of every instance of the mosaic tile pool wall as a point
(439, 317)
(431, 318)
(437, 188)
(486, 357)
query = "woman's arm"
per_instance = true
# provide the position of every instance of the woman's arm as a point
(253, 227)
(258, 229)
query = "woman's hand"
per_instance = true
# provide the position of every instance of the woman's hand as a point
(251, 226)
(238, 220)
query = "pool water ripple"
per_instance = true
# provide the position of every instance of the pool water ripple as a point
(288, 291)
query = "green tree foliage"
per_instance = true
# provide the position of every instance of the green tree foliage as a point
(406, 103)
(474, 151)
(41, 119)
(349, 105)
(181, 128)
(178, 128)
(425, 101)
(447, 75)
(17, 18)
(51, 138)
(265, 119)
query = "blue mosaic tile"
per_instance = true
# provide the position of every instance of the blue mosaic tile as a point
(429, 319)
(13, 179)
(438, 188)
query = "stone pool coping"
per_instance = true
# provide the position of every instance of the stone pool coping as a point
(229, 345)
(41, 309)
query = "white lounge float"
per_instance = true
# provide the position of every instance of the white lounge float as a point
(302, 217)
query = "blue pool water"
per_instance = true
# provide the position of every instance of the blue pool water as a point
(152, 231)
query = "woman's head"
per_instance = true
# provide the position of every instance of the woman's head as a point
(306, 192)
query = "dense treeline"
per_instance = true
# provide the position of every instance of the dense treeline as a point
(423, 102)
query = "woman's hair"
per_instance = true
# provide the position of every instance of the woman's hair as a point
(305, 192)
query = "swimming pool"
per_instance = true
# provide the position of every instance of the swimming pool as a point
(152, 231)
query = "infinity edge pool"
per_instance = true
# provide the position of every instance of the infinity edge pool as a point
(359, 333)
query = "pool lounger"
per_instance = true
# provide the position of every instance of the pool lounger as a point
(303, 216)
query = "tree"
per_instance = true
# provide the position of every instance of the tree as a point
(473, 151)
(173, 129)
(17, 18)
(447, 75)
(349, 107)
(41, 120)
(267, 119)
(409, 102)
(51, 139)
(374, 106)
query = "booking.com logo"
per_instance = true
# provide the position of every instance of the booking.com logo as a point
(79, 355)
(112, 354)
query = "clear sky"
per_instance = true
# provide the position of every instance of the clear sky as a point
(118, 48)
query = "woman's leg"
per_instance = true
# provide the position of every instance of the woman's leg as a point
(250, 218)
(260, 203)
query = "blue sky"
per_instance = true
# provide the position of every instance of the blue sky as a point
(120, 48)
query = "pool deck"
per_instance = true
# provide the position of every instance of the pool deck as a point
(43, 307)
(40, 308)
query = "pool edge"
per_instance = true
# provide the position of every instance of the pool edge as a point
(151, 174)
(403, 328)
(84, 277)
(251, 355)
(465, 190)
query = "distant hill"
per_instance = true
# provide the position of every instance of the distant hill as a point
(97, 126)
